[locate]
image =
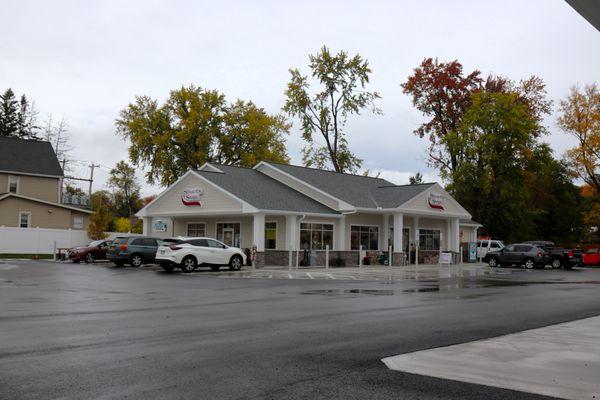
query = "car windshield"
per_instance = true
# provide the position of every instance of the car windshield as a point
(95, 243)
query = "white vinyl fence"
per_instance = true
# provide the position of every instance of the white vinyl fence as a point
(43, 240)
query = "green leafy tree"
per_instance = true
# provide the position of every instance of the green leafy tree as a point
(195, 126)
(336, 89)
(18, 117)
(416, 179)
(496, 135)
(127, 191)
(101, 217)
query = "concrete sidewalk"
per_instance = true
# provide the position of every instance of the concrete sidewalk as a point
(560, 360)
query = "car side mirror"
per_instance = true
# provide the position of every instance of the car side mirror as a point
(224, 246)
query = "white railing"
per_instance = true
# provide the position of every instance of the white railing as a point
(44, 240)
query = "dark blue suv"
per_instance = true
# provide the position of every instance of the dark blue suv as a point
(134, 250)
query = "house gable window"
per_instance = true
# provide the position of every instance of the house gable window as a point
(196, 229)
(13, 184)
(270, 235)
(367, 236)
(24, 219)
(316, 236)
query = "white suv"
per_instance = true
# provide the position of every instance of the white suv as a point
(188, 253)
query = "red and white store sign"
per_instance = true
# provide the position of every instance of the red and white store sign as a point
(191, 197)
(435, 201)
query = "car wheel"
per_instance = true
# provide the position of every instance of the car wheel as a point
(189, 264)
(236, 262)
(168, 268)
(529, 264)
(89, 258)
(493, 262)
(136, 261)
(119, 263)
(215, 267)
(556, 264)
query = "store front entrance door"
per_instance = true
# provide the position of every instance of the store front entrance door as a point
(228, 234)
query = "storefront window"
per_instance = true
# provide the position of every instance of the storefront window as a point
(196, 230)
(429, 239)
(271, 235)
(229, 233)
(316, 236)
(367, 236)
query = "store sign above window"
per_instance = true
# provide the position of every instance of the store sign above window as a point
(191, 197)
(435, 201)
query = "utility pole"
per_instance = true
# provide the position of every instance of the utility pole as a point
(62, 181)
(92, 166)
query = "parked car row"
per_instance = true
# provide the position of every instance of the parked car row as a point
(533, 254)
(184, 253)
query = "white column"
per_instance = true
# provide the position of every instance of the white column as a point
(456, 233)
(473, 234)
(398, 228)
(339, 243)
(291, 227)
(386, 233)
(448, 245)
(146, 226)
(258, 232)
(415, 230)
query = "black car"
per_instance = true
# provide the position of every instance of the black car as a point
(520, 254)
(557, 257)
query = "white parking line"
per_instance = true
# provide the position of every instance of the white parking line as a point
(309, 275)
(330, 276)
(560, 360)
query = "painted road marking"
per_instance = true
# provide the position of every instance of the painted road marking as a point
(309, 275)
(560, 360)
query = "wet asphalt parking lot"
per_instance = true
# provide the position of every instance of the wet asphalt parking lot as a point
(100, 332)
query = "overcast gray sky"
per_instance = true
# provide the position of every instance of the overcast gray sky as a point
(88, 59)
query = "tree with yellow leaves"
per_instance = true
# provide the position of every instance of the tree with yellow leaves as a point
(580, 117)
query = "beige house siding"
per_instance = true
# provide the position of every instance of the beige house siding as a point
(466, 232)
(246, 223)
(420, 203)
(42, 215)
(367, 220)
(213, 199)
(38, 187)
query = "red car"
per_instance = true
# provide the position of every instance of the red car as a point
(591, 256)
(96, 250)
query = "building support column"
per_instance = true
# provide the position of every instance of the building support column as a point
(398, 236)
(415, 234)
(291, 229)
(146, 226)
(456, 234)
(448, 245)
(384, 246)
(339, 243)
(258, 237)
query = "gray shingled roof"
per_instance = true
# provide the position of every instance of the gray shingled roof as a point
(263, 192)
(394, 196)
(28, 157)
(357, 190)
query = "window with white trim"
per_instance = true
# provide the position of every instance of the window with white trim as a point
(24, 219)
(13, 184)
(196, 229)
(367, 236)
(316, 236)
(270, 235)
(77, 222)
(429, 239)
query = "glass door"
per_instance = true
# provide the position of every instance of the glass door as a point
(228, 235)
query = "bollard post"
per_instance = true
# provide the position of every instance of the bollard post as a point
(390, 256)
(54, 253)
(360, 260)
(297, 254)
(326, 257)
(290, 260)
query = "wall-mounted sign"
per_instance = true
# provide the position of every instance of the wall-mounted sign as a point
(191, 197)
(159, 226)
(446, 258)
(435, 201)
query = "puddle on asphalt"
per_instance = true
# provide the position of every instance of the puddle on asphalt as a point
(448, 288)
(335, 292)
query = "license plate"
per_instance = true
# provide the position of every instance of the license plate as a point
(162, 252)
